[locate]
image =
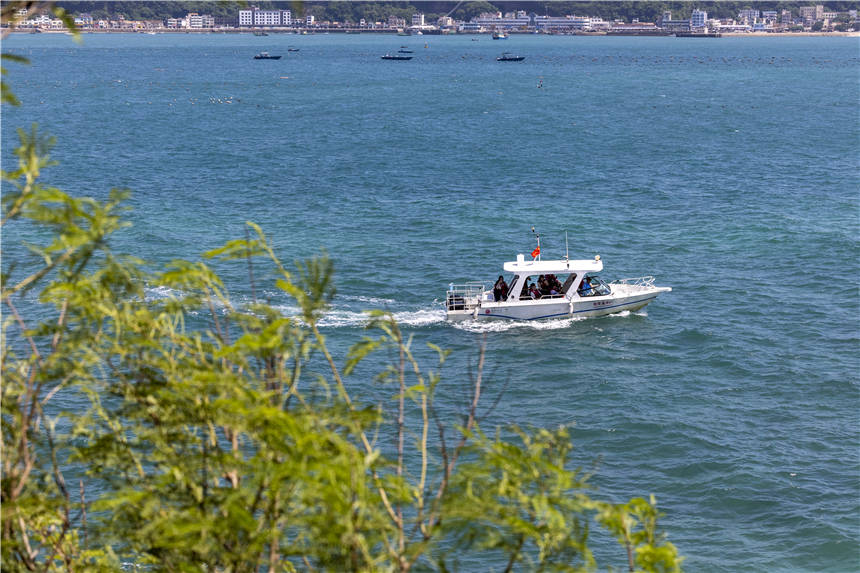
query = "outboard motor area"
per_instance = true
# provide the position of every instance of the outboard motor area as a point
(464, 298)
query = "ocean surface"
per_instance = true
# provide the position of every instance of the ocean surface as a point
(727, 168)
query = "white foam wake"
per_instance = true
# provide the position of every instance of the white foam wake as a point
(336, 318)
(506, 325)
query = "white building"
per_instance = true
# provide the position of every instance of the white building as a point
(748, 16)
(549, 23)
(493, 21)
(199, 21)
(417, 19)
(268, 18)
(811, 14)
(698, 19)
(310, 20)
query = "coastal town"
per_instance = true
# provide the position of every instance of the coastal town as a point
(807, 19)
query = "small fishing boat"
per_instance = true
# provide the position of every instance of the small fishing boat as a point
(498, 35)
(266, 56)
(396, 57)
(541, 289)
(509, 57)
(292, 49)
(260, 33)
(404, 50)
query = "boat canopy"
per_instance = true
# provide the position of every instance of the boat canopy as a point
(521, 266)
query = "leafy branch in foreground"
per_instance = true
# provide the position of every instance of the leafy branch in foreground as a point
(194, 433)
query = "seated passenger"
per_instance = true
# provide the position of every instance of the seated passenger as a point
(524, 293)
(543, 285)
(534, 292)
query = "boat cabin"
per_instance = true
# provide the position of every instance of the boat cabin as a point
(562, 276)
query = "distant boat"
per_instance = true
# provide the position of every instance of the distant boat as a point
(266, 56)
(500, 36)
(292, 49)
(509, 57)
(395, 57)
(404, 50)
(260, 33)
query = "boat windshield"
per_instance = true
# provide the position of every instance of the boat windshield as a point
(593, 285)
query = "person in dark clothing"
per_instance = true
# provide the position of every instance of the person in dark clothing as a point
(500, 289)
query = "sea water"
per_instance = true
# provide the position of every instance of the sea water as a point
(727, 168)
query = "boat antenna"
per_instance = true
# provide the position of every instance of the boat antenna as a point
(566, 251)
(538, 242)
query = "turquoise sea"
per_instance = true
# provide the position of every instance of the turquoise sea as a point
(727, 168)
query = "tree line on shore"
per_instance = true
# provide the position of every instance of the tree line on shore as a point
(342, 11)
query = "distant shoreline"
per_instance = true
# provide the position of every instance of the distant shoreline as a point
(853, 34)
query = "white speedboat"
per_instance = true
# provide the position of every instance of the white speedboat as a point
(568, 288)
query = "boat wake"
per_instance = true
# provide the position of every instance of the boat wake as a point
(506, 325)
(553, 324)
(347, 318)
(352, 312)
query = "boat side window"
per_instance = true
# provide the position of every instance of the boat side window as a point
(512, 285)
(550, 286)
(524, 291)
(568, 282)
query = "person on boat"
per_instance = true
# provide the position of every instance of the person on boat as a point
(553, 285)
(543, 285)
(525, 293)
(585, 288)
(534, 292)
(500, 289)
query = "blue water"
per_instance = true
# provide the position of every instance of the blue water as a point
(726, 168)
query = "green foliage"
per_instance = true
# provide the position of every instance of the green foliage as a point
(6, 95)
(225, 437)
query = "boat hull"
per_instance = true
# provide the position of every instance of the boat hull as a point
(556, 308)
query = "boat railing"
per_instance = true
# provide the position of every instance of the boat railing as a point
(464, 296)
(647, 281)
(541, 297)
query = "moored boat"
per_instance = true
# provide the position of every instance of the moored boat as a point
(266, 56)
(396, 57)
(509, 57)
(541, 289)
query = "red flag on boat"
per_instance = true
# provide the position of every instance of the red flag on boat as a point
(535, 252)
